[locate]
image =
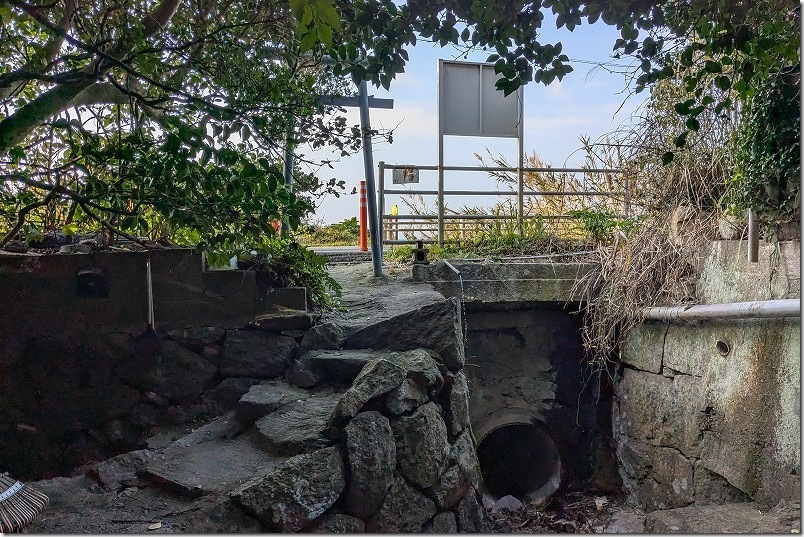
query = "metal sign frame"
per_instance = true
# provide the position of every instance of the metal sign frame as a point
(444, 128)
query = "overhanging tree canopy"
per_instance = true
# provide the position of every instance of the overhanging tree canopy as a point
(177, 108)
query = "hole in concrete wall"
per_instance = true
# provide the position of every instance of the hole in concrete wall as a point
(520, 460)
(723, 347)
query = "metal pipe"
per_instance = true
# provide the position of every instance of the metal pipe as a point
(520, 175)
(456, 271)
(381, 211)
(753, 237)
(762, 309)
(371, 189)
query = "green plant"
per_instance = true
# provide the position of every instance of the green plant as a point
(598, 224)
(767, 176)
(286, 263)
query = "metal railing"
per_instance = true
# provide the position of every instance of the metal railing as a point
(458, 224)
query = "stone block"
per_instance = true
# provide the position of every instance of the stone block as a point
(228, 392)
(282, 319)
(458, 409)
(404, 510)
(463, 472)
(435, 326)
(420, 367)
(176, 372)
(726, 518)
(377, 377)
(660, 410)
(337, 523)
(711, 488)
(422, 449)
(442, 523)
(249, 353)
(656, 477)
(341, 366)
(470, 515)
(196, 339)
(643, 347)
(300, 490)
(406, 397)
(326, 335)
(264, 398)
(297, 427)
(371, 453)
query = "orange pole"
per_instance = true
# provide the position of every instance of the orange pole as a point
(363, 218)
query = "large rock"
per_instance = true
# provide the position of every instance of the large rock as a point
(250, 353)
(340, 366)
(422, 448)
(337, 523)
(462, 473)
(228, 392)
(378, 377)
(324, 336)
(408, 396)
(420, 367)
(442, 523)
(405, 510)
(262, 399)
(195, 338)
(177, 373)
(297, 427)
(458, 409)
(293, 495)
(470, 515)
(434, 326)
(372, 458)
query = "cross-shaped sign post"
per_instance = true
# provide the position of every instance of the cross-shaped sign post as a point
(364, 102)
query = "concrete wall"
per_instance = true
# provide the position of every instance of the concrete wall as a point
(695, 426)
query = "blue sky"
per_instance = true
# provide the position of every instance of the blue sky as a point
(589, 102)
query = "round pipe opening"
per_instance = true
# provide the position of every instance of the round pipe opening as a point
(520, 460)
(723, 347)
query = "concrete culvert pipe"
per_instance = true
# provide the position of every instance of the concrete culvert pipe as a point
(519, 460)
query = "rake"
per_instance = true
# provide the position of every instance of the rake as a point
(19, 504)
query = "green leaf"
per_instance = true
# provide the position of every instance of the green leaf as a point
(308, 40)
(667, 158)
(693, 124)
(327, 14)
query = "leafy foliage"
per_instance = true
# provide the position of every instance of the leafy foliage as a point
(767, 177)
(286, 263)
(344, 233)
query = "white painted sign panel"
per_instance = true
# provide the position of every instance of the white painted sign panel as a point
(470, 105)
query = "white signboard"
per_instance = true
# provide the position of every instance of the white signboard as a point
(406, 175)
(470, 105)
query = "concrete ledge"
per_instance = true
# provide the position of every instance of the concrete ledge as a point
(504, 282)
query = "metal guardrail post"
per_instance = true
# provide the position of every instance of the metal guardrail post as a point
(371, 189)
(520, 174)
(381, 216)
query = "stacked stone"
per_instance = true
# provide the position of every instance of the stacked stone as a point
(399, 458)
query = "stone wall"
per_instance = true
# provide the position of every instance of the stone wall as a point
(354, 421)
(710, 412)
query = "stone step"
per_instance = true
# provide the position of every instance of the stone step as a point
(281, 319)
(298, 427)
(266, 397)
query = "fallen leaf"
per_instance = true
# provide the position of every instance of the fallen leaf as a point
(155, 526)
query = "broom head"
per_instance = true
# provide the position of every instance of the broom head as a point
(19, 504)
